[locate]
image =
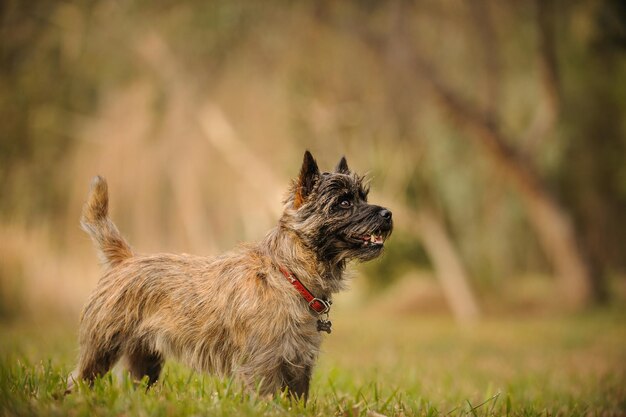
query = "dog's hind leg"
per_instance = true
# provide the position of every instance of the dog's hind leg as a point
(141, 362)
(96, 360)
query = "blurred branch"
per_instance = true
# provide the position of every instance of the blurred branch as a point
(218, 130)
(447, 264)
(547, 47)
(483, 129)
(547, 112)
(213, 124)
(483, 27)
(425, 223)
(550, 221)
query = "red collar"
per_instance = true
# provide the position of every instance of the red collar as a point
(319, 305)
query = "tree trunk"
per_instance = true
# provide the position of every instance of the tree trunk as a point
(448, 267)
(549, 220)
(447, 263)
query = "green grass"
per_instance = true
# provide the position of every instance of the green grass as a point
(371, 363)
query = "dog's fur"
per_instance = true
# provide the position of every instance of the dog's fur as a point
(234, 314)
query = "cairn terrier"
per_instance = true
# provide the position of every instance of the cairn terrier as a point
(255, 313)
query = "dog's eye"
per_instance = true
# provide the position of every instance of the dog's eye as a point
(345, 203)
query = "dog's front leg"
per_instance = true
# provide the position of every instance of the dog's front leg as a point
(296, 379)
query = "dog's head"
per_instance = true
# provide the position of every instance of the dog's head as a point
(330, 213)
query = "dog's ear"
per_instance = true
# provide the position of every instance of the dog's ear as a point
(309, 174)
(342, 166)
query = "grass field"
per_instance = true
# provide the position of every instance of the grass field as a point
(372, 363)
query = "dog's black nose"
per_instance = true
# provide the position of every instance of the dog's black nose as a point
(385, 214)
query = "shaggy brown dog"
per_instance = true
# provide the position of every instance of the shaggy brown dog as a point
(255, 313)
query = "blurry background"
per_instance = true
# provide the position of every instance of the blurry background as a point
(494, 130)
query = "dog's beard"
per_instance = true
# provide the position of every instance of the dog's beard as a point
(362, 240)
(366, 245)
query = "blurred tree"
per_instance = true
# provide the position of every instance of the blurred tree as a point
(592, 174)
(581, 282)
(493, 128)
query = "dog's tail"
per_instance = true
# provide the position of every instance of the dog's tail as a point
(111, 246)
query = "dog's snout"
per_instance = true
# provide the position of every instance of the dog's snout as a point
(385, 214)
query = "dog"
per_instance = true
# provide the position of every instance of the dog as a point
(255, 313)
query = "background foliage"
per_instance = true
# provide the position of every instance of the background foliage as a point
(142, 92)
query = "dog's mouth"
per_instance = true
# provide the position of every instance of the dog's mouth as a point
(372, 239)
